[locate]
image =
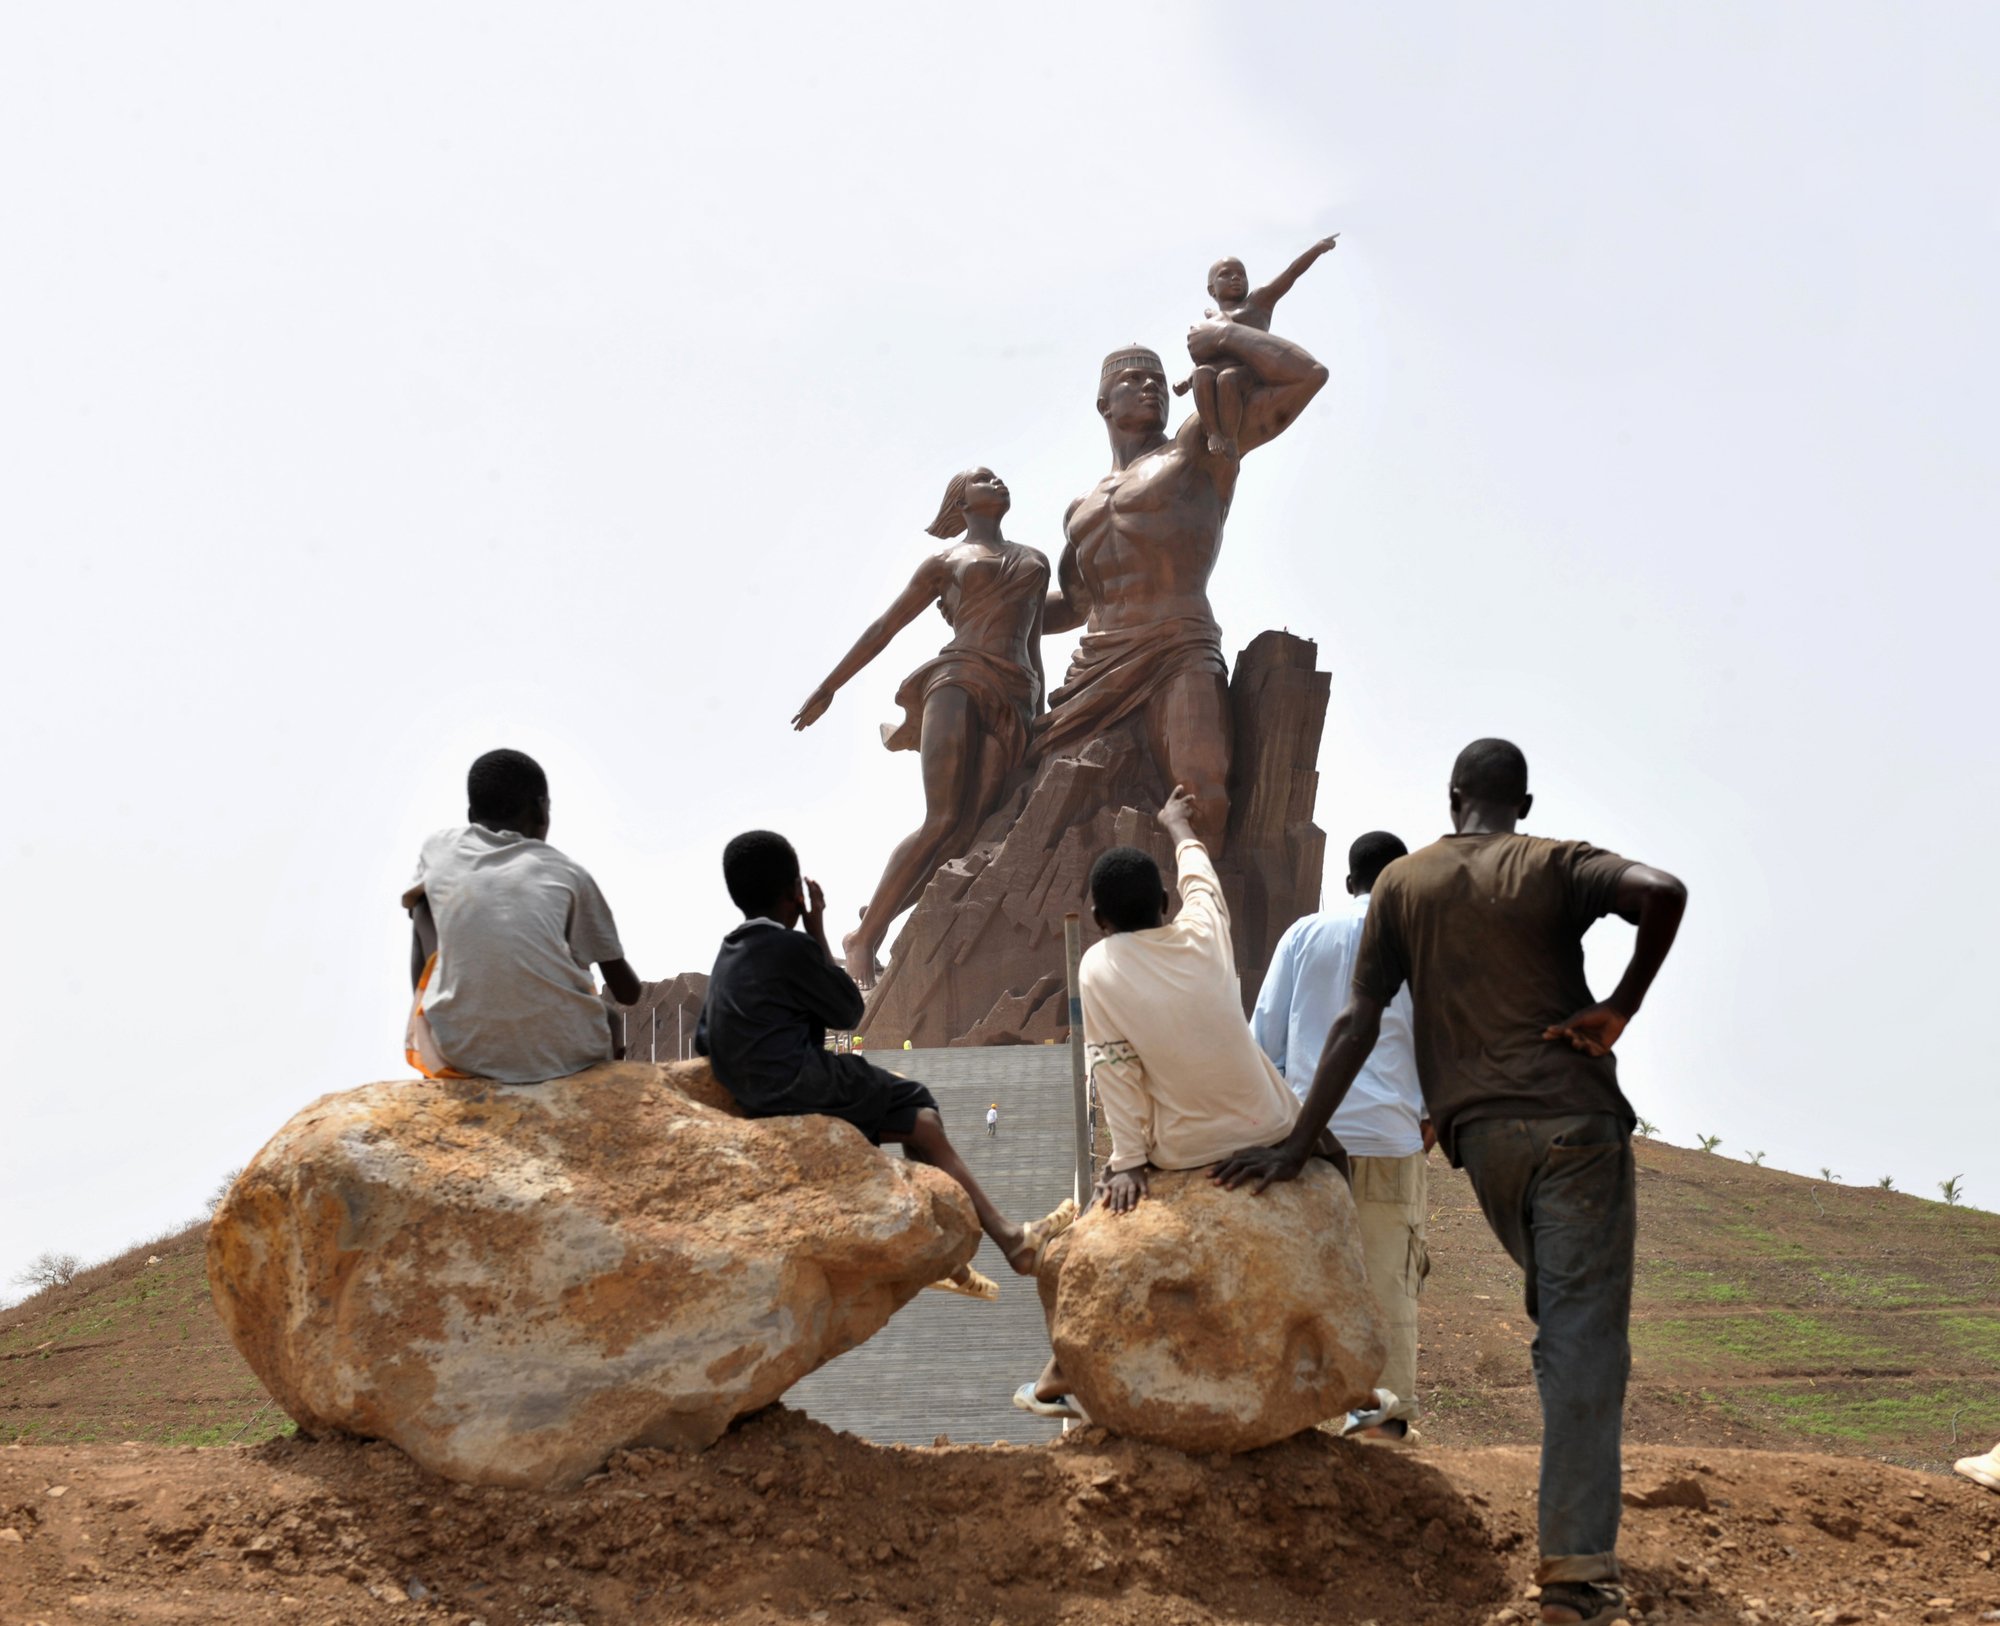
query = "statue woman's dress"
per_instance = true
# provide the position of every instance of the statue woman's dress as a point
(991, 604)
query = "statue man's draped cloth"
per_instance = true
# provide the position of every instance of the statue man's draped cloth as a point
(1114, 674)
(1004, 693)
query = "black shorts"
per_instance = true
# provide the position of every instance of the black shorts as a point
(879, 1103)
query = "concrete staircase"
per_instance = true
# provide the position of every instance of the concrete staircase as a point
(946, 1364)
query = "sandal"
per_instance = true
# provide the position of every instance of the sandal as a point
(971, 1283)
(1582, 1603)
(1062, 1406)
(1036, 1235)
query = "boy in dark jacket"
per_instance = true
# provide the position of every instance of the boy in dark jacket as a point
(772, 996)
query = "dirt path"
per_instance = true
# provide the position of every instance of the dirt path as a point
(785, 1520)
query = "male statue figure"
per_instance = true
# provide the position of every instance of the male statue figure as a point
(1136, 565)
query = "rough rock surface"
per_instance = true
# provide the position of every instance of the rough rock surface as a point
(1213, 1320)
(510, 1283)
(980, 959)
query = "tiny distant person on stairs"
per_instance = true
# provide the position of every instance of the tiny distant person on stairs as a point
(504, 931)
(772, 996)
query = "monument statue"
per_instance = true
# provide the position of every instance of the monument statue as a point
(969, 712)
(1141, 546)
(1018, 805)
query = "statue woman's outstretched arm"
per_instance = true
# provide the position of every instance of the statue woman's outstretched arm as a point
(923, 589)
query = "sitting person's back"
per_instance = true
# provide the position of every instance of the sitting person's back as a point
(1177, 1069)
(507, 928)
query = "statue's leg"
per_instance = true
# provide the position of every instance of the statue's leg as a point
(1232, 388)
(949, 751)
(1188, 727)
(1208, 407)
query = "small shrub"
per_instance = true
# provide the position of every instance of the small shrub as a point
(50, 1270)
(222, 1189)
(1829, 1176)
(1646, 1126)
(1756, 1159)
(1887, 1183)
(1709, 1142)
(1951, 1190)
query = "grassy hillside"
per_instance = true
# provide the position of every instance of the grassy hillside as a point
(130, 1351)
(1770, 1311)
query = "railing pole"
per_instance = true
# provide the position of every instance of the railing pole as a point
(1079, 1091)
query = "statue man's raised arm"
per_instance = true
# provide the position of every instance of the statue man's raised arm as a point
(1287, 378)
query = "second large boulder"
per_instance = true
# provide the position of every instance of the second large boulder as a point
(1214, 1320)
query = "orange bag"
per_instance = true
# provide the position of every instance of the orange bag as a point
(420, 1046)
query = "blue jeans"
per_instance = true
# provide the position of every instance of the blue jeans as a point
(1559, 1195)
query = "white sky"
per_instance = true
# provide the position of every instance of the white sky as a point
(387, 383)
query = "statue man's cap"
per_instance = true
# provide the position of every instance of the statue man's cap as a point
(1132, 357)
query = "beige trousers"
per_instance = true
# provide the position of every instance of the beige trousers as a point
(1390, 1197)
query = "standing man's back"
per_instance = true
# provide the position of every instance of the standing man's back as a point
(1486, 927)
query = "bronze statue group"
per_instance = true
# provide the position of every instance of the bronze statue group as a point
(1467, 952)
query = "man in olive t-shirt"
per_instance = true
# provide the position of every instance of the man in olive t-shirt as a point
(1514, 1056)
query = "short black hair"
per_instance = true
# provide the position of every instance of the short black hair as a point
(760, 869)
(1125, 889)
(504, 785)
(1371, 854)
(1491, 771)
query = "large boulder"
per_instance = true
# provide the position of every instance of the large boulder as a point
(1213, 1320)
(511, 1282)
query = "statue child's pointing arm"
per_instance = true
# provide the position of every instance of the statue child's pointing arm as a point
(1280, 285)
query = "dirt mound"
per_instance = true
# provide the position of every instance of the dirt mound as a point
(784, 1519)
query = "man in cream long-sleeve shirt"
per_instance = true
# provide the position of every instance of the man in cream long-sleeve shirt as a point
(1181, 1079)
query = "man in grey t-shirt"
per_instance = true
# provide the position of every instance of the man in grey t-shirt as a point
(507, 928)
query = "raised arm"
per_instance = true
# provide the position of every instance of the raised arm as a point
(1281, 284)
(1287, 378)
(1654, 901)
(923, 589)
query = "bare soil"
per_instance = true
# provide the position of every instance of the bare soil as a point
(786, 1520)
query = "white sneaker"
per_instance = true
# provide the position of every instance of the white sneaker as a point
(1981, 1470)
(1375, 1416)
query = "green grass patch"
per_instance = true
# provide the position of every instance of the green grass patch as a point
(1775, 1338)
(1974, 1336)
(1884, 1417)
(1688, 1284)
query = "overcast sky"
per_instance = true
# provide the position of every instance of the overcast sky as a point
(386, 383)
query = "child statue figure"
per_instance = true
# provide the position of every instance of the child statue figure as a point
(1219, 392)
(967, 712)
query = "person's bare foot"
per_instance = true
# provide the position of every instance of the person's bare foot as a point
(1222, 446)
(858, 955)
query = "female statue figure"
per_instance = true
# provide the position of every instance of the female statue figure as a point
(967, 713)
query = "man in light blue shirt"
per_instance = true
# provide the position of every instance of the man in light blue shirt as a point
(1381, 1123)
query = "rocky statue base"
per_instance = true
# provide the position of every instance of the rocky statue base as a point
(1212, 1320)
(980, 960)
(510, 1283)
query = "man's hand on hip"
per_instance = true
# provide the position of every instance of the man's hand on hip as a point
(1593, 1030)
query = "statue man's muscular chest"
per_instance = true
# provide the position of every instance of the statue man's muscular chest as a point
(1157, 520)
